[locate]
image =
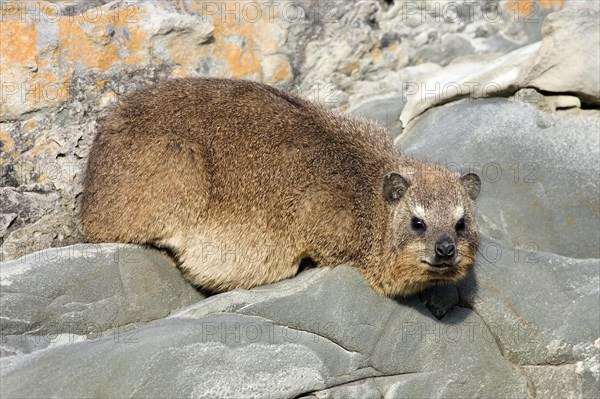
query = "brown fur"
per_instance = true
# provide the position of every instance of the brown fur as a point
(242, 181)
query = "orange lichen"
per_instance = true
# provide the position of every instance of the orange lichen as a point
(376, 54)
(180, 72)
(35, 150)
(19, 43)
(8, 143)
(241, 58)
(551, 4)
(529, 7)
(29, 125)
(45, 88)
(348, 69)
(283, 72)
(77, 46)
(183, 55)
(136, 46)
(570, 221)
(94, 47)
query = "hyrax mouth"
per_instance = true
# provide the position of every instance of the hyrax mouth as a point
(441, 268)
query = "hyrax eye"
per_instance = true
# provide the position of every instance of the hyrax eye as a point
(418, 225)
(460, 225)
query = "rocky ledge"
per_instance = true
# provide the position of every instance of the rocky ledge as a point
(120, 321)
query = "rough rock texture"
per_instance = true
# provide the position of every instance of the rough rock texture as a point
(542, 65)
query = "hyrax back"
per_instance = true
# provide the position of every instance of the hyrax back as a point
(243, 181)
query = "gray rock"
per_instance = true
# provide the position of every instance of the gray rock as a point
(539, 170)
(280, 341)
(575, 32)
(449, 47)
(481, 76)
(86, 289)
(542, 310)
(542, 65)
(165, 28)
(366, 389)
(561, 382)
(503, 294)
(55, 229)
(324, 334)
(21, 207)
(370, 42)
(384, 109)
(547, 103)
(180, 358)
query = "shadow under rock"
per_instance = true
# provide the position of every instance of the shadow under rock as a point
(437, 301)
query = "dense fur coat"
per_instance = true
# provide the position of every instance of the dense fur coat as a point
(243, 181)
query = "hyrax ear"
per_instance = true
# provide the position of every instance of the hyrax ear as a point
(394, 187)
(472, 184)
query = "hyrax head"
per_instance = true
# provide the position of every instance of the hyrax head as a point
(433, 234)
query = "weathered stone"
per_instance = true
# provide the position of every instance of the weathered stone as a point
(357, 336)
(22, 207)
(88, 289)
(521, 313)
(481, 76)
(560, 382)
(576, 33)
(383, 109)
(276, 69)
(52, 230)
(542, 65)
(450, 47)
(538, 169)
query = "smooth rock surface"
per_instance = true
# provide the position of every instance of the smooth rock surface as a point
(575, 32)
(88, 288)
(384, 109)
(517, 310)
(266, 345)
(482, 76)
(539, 170)
(326, 334)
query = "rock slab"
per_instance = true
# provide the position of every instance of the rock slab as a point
(323, 334)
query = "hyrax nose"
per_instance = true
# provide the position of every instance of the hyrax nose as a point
(444, 248)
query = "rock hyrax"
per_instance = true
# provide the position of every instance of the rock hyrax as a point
(244, 183)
